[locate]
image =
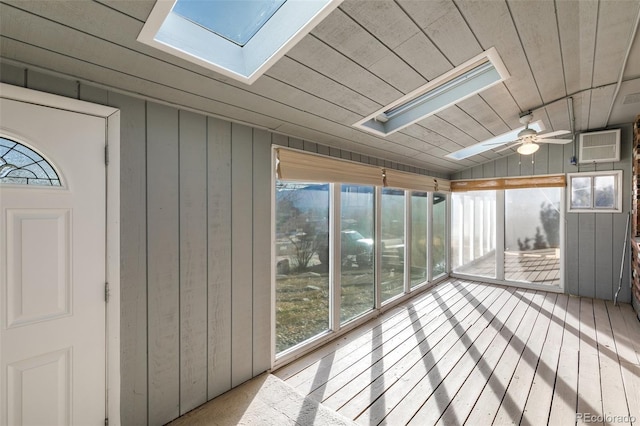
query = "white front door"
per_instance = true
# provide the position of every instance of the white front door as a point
(52, 270)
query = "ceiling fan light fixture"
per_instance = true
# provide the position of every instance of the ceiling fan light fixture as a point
(528, 148)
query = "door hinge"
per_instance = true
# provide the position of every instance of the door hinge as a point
(106, 292)
(106, 155)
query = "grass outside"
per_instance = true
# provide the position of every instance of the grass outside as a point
(302, 308)
(302, 301)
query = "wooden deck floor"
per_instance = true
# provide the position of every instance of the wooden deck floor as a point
(477, 354)
(532, 266)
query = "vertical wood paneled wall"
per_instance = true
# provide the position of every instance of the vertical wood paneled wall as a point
(593, 242)
(195, 248)
(195, 244)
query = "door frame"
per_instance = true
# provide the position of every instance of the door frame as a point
(112, 136)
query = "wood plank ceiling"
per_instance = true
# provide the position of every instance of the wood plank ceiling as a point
(363, 56)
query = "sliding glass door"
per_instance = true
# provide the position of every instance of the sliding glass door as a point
(510, 235)
(532, 236)
(473, 233)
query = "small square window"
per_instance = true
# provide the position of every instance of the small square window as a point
(595, 192)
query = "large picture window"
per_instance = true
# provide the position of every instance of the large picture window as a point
(357, 252)
(350, 239)
(392, 248)
(419, 244)
(302, 268)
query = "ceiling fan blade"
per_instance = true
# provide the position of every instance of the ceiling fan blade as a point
(509, 147)
(500, 143)
(552, 134)
(555, 141)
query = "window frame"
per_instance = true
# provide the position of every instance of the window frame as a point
(617, 174)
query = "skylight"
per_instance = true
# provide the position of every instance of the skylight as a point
(475, 75)
(239, 39)
(234, 20)
(494, 142)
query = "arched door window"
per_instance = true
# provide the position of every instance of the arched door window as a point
(21, 165)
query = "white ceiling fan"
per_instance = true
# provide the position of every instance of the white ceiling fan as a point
(528, 138)
(525, 138)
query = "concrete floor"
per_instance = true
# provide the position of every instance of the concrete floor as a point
(264, 400)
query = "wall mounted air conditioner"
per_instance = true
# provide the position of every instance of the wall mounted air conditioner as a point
(599, 147)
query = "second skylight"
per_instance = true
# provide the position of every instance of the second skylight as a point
(468, 79)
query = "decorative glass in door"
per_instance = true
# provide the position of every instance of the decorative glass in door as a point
(21, 165)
